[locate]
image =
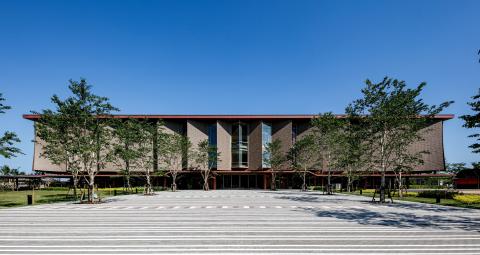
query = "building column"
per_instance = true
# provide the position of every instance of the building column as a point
(214, 183)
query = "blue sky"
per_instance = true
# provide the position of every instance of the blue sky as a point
(231, 57)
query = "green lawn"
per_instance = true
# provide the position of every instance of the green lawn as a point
(49, 195)
(412, 197)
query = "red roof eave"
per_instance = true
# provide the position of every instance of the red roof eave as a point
(226, 117)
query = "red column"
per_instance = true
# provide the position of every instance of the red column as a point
(214, 183)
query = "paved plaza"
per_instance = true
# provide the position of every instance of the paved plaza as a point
(239, 221)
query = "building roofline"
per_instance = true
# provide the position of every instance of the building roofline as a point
(224, 116)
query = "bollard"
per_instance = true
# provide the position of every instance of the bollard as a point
(136, 190)
(437, 198)
(29, 199)
(360, 192)
(114, 192)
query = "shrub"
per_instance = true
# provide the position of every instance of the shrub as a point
(468, 199)
(433, 194)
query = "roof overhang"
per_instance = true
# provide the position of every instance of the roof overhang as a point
(227, 117)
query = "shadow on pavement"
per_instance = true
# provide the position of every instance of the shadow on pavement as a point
(399, 214)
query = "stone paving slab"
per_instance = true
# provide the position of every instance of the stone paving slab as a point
(239, 221)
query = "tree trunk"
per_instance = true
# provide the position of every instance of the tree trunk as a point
(304, 185)
(349, 183)
(75, 185)
(382, 155)
(400, 192)
(148, 184)
(91, 186)
(205, 185)
(382, 188)
(206, 175)
(174, 182)
(329, 183)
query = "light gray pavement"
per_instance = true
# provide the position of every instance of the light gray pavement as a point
(239, 221)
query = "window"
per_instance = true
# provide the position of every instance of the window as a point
(266, 139)
(239, 145)
(212, 142)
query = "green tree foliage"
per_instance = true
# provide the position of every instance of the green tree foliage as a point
(8, 171)
(132, 141)
(395, 115)
(472, 121)
(8, 182)
(57, 134)
(8, 139)
(275, 157)
(205, 158)
(351, 154)
(86, 117)
(173, 151)
(304, 157)
(327, 132)
(454, 168)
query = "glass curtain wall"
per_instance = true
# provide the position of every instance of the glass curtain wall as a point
(266, 139)
(212, 141)
(239, 145)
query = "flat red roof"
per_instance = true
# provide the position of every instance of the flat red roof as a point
(224, 116)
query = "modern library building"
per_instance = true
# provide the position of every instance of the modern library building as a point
(241, 142)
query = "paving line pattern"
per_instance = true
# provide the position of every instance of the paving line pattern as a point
(239, 221)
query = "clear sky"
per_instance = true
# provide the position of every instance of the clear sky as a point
(231, 57)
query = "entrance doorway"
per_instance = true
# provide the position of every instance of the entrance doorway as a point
(244, 181)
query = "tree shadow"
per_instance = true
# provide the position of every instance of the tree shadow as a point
(401, 214)
(5, 204)
(400, 219)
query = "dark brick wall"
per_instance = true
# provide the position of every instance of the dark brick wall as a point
(433, 143)
(282, 131)
(255, 146)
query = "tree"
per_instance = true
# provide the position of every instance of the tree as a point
(146, 146)
(57, 134)
(275, 158)
(131, 137)
(173, 152)
(304, 157)
(350, 155)
(7, 141)
(85, 117)
(205, 160)
(327, 129)
(395, 114)
(455, 168)
(472, 121)
(8, 171)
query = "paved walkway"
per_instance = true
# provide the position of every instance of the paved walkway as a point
(239, 221)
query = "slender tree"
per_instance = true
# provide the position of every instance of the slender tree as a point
(472, 121)
(395, 116)
(304, 157)
(173, 152)
(56, 134)
(350, 155)
(145, 145)
(275, 158)
(86, 118)
(206, 157)
(130, 136)
(8, 139)
(327, 131)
